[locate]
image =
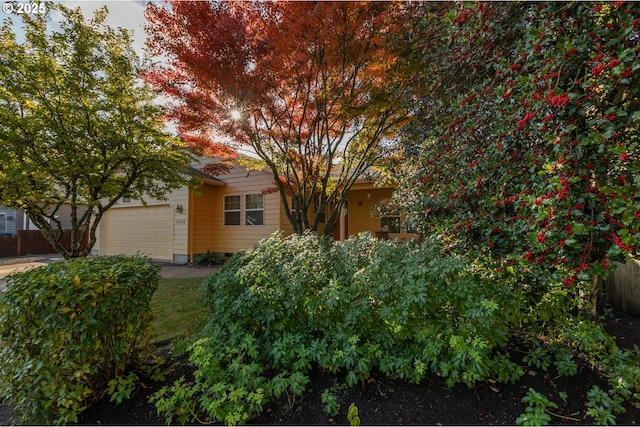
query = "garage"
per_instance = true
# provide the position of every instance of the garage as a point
(147, 230)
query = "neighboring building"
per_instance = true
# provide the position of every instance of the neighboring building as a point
(8, 222)
(225, 215)
(12, 220)
(19, 236)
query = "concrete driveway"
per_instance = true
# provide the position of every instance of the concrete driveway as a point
(8, 266)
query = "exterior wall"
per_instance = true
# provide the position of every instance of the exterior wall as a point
(180, 199)
(198, 214)
(8, 221)
(363, 214)
(209, 231)
(202, 210)
(285, 225)
(177, 198)
(12, 220)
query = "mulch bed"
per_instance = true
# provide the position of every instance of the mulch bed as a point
(383, 401)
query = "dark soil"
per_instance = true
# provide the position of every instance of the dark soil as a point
(383, 401)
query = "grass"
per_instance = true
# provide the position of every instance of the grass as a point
(176, 309)
(175, 306)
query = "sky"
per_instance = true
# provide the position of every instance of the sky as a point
(127, 14)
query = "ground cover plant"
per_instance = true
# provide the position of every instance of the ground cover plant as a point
(73, 332)
(363, 306)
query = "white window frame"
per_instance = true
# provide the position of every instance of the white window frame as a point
(225, 210)
(248, 210)
(388, 211)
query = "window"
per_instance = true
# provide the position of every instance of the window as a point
(231, 210)
(254, 209)
(295, 212)
(389, 217)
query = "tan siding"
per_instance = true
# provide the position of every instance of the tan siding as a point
(229, 239)
(203, 205)
(200, 225)
(285, 224)
(180, 197)
(104, 233)
(363, 212)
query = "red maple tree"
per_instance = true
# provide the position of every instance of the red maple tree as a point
(311, 88)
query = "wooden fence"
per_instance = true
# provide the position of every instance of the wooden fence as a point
(623, 287)
(30, 242)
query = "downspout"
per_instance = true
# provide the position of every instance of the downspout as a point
(190, 226)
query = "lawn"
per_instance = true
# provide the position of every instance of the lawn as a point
(176, 309)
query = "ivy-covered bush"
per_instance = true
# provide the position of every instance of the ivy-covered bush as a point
(526, 130)
(71, 331)
(292, 304)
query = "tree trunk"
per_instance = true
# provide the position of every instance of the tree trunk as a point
(593, 295)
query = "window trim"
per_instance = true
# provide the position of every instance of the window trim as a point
(243, 211)
(247, 210)
(392, 212)
(225, 210)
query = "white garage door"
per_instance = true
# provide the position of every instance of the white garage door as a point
(147, 230)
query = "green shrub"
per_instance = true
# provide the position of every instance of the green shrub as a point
(71, 331)
(351, 307)
(536, 411)
(209, 259)
(302, 302)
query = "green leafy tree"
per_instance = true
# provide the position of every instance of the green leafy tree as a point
(525, 142)
(78, 127)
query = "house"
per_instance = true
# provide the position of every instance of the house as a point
(225, 215)
(19, 236)
(8, 221)
(12, 220)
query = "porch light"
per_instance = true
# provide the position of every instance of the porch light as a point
(179, 209)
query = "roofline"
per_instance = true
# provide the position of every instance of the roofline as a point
(206, 178)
